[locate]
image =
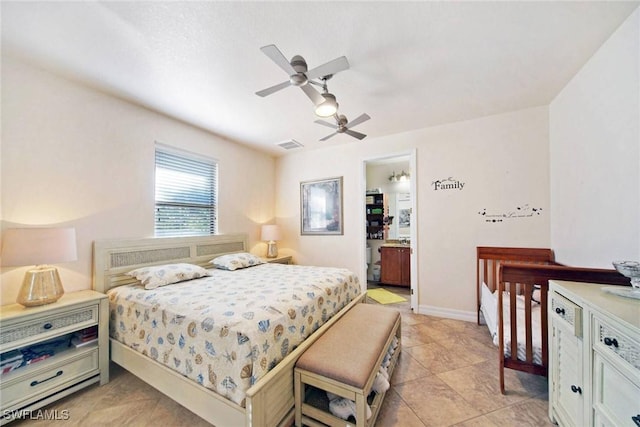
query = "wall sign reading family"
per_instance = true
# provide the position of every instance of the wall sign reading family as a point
(447, 184)
(519, 212)
(321, 206)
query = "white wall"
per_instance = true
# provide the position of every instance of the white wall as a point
(595, 156)
(503, 161)
(74, 156)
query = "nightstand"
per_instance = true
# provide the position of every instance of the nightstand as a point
(279, 260)
(63, 357)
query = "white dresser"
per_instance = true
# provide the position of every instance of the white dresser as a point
(594, 356)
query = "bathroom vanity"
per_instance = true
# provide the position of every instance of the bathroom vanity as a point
(395, 264)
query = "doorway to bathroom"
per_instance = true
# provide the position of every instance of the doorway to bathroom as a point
(390, 237)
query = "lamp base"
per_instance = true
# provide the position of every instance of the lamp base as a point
(272, 249)
(40, 286)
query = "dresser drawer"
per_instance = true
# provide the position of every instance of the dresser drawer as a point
(611, 341)
(616, 398)
(567, 311)
(21, 388)
(15, 335)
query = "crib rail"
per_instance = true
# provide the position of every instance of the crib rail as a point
(520, 279)
(490, 258)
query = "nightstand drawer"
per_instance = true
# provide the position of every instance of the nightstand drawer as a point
(279, 260)
(21, 389)
(15, 335)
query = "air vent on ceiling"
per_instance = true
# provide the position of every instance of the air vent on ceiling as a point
(290, 144)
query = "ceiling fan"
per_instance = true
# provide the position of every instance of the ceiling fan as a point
(300, 76)
(341, 126)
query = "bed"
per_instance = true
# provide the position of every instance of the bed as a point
(512, 287)
(230, 366)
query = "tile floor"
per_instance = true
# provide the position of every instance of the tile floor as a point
(446, 376)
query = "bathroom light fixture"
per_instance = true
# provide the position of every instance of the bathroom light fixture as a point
(271, 233)
(404, 176)
(29, 246)
(327, 108)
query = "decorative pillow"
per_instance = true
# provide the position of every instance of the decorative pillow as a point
(161, 275)
(236, 261)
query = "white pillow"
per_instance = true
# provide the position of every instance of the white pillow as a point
(161, 275)
(236, 261)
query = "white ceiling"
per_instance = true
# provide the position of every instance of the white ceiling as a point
(413, 64)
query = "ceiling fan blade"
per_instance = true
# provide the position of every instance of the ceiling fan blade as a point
(328, 136)
(361, 118)
(276, 56)
(355, 134)
(273, 89)
(327, 124)
(313, 94)
(330, 68)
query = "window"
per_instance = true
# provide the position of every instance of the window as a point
(186, 194)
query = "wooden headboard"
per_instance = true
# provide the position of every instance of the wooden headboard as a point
(112, 259)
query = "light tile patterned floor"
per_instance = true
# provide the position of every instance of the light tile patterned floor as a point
(447, 375)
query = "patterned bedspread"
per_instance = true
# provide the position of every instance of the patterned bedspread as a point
(228, 330)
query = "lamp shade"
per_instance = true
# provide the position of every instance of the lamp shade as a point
(39, 246)
(328, 107)
(35, 246)
(270, 232)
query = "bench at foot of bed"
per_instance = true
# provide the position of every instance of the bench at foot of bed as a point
(348, 362)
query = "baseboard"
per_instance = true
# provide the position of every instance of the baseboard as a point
(448, 313)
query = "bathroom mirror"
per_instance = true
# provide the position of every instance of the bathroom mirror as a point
(400, 209)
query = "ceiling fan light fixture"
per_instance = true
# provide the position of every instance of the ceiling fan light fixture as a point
(327, 108)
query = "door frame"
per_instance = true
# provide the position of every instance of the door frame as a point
(413, 189)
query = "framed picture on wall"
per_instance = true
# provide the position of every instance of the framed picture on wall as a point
(321, 207)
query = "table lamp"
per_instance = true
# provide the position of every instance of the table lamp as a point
(39, 246)
(271, 233)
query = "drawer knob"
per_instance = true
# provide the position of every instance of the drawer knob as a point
(576, 389)
(560, 311)
(636, 419)
(47, 326)
(35, 383)
(611, 342)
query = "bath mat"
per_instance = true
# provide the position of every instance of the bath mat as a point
(383, 296)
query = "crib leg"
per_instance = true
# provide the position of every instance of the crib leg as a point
(501, 378)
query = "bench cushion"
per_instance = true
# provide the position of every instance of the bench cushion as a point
(349, 350)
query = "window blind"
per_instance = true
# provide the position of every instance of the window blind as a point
(185, 194)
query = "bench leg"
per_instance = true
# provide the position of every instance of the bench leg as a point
(361, 411)
(298, 390)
